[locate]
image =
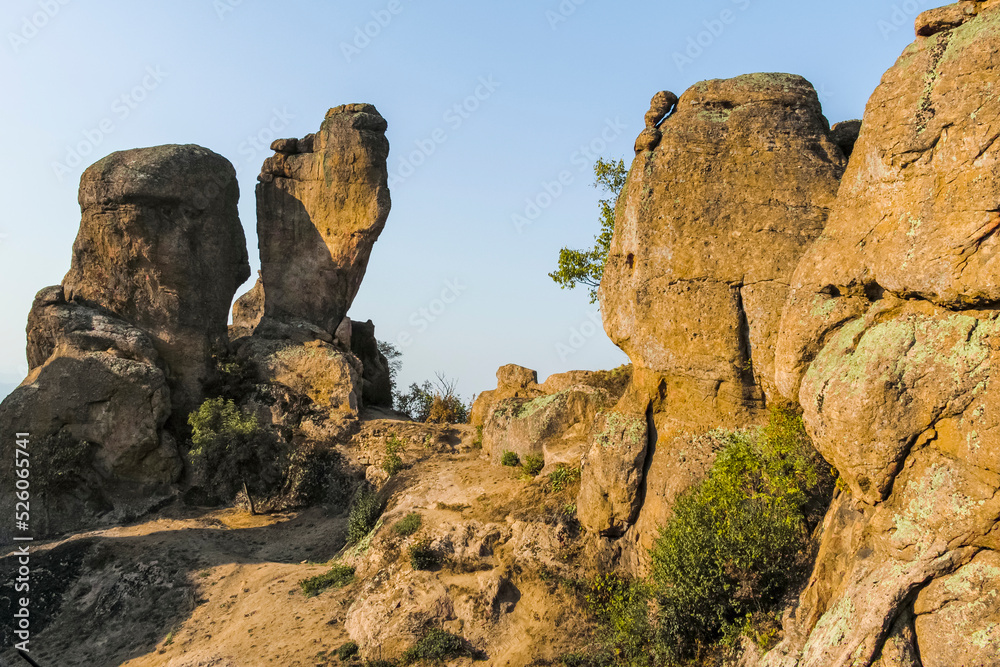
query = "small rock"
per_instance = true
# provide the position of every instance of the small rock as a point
(648, 140)
(287, 146)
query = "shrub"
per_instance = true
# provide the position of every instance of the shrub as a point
(422, 556)
(365, 512)
(60, 462)
(315, 474)
(379, 663)
(408, 525)
(347, 651)
(533, 465)
(435, 402)
(230, 450)
(393, 463)
(337, 577)
(510, 459)
(562, 477)
(438, 646)
(733, 543)
(621, 607)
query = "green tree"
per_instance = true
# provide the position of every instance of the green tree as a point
(586, 267)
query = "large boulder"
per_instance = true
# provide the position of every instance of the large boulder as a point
(513, 381)
(321, 205)
(94, 411)
(703, 247)
(376, 375)
(161, 246)
(888, 342)
(723, 198)
(612, 472)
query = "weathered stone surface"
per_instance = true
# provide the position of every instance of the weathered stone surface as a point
(513, 381)
(958, 620)
(889, 341)
(556, 426)
(940, 19)
(648, 140)
(704, 245)
(376, 379)
(329, 377)
(685, 461)
(612, 472)
(94, 405)
(319, 212)
(661, 106)
(247, 311)
(845, 135)
(161, 246)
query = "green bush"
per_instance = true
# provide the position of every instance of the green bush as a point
(347, 651)
(393, 463)
(408, 525)
(735, 543)
(436, 402)
(365, 512)
(422, 556)
(379, 663)
(510, 459)
(562, 477)
(315, 474)
(337, 577)
(230, 450)
(621, 607)
(438, 646)
(533, 465)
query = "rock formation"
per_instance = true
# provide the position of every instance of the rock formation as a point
(552, 420)
(714, 216)
(321, 204)
(161, 246)
(376, 378)
(127, 341)
(888, 342)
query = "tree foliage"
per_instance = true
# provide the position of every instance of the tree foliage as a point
(586, 267)
(737, 542)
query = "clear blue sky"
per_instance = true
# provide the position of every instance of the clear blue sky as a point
(542, 87)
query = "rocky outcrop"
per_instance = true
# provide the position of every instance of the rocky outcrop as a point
(888, 341)
(126, 342)
(513, 381)
(612, 472)
(321, 204)
(248, 311)
(704, 245)
(552, 420)
(161, 246)
(93, 411)
(376, 377)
